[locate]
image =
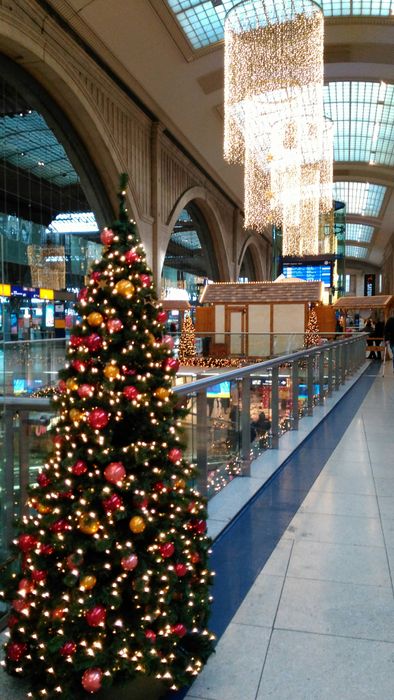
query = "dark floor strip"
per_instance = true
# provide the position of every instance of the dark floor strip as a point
(242, 549)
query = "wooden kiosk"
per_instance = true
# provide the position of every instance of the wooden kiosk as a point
(256, 319)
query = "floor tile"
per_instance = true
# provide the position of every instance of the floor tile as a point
(386, 506)
(328, 483)
(355, 505)
(304, 666)
(339, 562)
(347, 468)
(260, 605)
(384, 487)
(279, 560)
(223, 679)
(383, 469)
(343, 609)
(323, 527)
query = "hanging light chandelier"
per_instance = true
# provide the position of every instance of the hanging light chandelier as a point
(274, 121)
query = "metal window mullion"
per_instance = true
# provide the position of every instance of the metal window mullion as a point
(201, 442)
(294, 395)
(275, 408)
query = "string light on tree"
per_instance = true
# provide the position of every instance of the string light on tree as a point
(187, 343)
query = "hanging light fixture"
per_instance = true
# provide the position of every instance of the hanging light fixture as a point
(274, 122)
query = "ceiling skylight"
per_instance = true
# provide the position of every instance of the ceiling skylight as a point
(361, 198)
(202, 21)
(363, 116)
(360, 233)
(356, 251)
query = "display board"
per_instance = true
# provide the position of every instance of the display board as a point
(310, 273)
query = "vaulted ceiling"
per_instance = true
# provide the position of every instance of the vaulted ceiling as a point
(171, 54)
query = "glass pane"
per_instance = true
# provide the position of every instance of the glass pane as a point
(224, 435)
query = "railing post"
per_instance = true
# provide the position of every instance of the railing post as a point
(8, 479)
(245, 426)
(23, 445)
(275, 408)
(321, 377)
(330, 371)
(294, 395)
(343, 362)
(309, 361)
(201, 442)
(337, 367)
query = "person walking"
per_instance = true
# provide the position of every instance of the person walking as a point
(368, 328)
(378, 335)
(389, 334)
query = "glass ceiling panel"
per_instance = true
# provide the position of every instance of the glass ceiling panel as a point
(360, 233)
(202, 20)
(354, 251)
(28, 143)
(363, 116)
(361, 198)
(186, 239)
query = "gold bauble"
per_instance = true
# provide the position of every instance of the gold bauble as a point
(95, 318)
(71, 384)
(137, 524)
(88, 525)
(111, 371)
(162, 393)
(75, 415)
(180, 484)
(151, 339)
(88, 582)
(43, 509)
(125, 288)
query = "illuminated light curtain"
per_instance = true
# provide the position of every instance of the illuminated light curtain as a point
(274, 121)
(47, 266)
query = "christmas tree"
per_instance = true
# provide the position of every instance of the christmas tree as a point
(114, 582)
(187, 343)
(312, 337)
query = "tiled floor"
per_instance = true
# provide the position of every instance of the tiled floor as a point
(318, 623)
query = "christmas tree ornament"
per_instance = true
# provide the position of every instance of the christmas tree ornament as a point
(130, 392)
(43, 509)
(95, 276)
(26, 543)
(79, 467)
(111, 371)
(58, 613)
(179, 630)
(113, 503)
(88, 582)
(68, 649)
(46, 549)
(167, 550)
(58, 441)
(146, 280)
(124, 288)
(151, 636)
(131, 257)
(76, 341)
(175, 454)
(137, 524)
(95, 319)
(107, 236)
(162, 317)
(78, 365)
(15, 651)
(39, 575)
(85, 391)
(200, 526)
(171, 364)
(26, 585)
(91, 680)
(20, 605)
(168, 341)
(12, 620)
(162, 393)
(88, 524)
(115, 472)
(180, 569)
(75, 415)
(83, 294)
(98, 418)
(114, 325)
(94, 342)
(43, 480)
(129, 563)
(72, 384)
(62, 386)
(61, 525)
(180, 484)
(96, 615)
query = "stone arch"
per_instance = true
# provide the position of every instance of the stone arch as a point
(207, 205)
(251, 245)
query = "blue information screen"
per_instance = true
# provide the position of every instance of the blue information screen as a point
(309, 273)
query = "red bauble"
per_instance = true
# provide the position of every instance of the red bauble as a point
(60, 525)
(168, 341)
(129, 563)
(162, 317)
(12, 620)
(39, 575)
(98, 418)
(144, 504)
(128, 371)
(78, 365)
(131, 256)
(114, 325)
(180, 569)
(68, 649)
(151, 636)
(95, 616)
(20, 604)
(58, 442)
(94, 342)
(26, 543)
(26, 585)
(195, 558)
(96, 276)
(130, 392)
(91, 680)
(113, 503)
(200, 526)
(179, 629)
(167, 550)
(62, 386)
(43, 480)
(85, 391)
(76, 341)
(171, 364)
(175, 454)
(159, 486)
(15, 651)
(83, 294)
(66, 494)
(46, 549)
(107, 236)
(146, 280)
(115, 472)
(79, 467)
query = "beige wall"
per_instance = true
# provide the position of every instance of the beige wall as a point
(120, 137)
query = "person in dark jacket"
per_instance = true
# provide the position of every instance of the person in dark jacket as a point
(378, 334)
(368, 328)
(389, 335)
